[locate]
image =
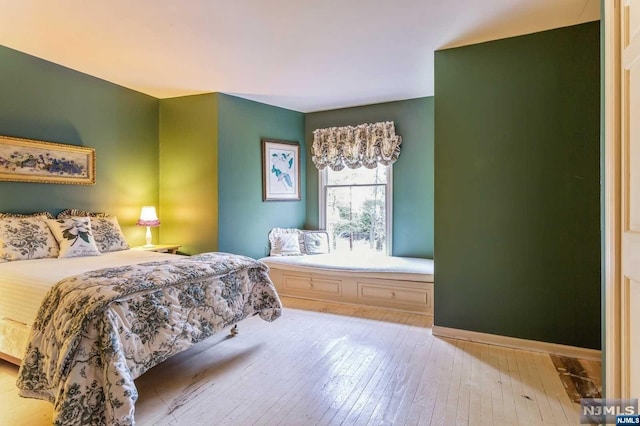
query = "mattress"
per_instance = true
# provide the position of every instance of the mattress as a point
(23, 284)
(374, 266)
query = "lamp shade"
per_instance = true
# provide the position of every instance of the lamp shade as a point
(148, 217)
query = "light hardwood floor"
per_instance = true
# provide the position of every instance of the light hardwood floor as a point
(324, 363)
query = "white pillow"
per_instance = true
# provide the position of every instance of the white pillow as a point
(108, 235)
(74, 236)
(26, 238)
(284, 242)
(289, 244)
(316, 242)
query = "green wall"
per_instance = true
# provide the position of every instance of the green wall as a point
(189, 173)
(517, 241)
(44, 101)
(244, 219)
(412, 174)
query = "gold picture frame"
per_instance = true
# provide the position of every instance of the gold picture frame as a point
(28, 160)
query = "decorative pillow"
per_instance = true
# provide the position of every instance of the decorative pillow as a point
(45, 215)
(316, 242)
(67, 213)
(26, 238)
(108, 235)
(284, 242)
(303, 249)
(289, 245)
(74, 236)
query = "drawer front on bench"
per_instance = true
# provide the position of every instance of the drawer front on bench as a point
(409, 296)
(397, 296)
(311, 284)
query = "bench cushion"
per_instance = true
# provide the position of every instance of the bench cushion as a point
(384, 267)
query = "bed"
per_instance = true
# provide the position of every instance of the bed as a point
(86, 327)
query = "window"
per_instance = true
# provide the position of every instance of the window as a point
(355, 209)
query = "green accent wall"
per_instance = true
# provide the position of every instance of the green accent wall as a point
(517, 187)
(413, 185)
(189, 172)
(244, 219)
(44, 101)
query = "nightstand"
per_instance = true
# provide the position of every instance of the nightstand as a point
(160, 248)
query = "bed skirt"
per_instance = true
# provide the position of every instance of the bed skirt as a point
(13, 340)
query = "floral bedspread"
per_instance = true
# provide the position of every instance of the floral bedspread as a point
(96, 332)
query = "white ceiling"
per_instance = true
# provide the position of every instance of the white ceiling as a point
(303, 55)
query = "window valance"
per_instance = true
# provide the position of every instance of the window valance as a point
(355, 146)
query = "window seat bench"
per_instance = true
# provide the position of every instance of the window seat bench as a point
(402, 283)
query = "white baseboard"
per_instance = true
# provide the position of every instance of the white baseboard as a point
(516, 343)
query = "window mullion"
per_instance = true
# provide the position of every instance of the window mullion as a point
(354, 185)
(322, 195)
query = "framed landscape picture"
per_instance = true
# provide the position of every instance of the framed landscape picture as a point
(280, 170)
(26, 160)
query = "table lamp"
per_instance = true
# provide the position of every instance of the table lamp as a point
(148, 218)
